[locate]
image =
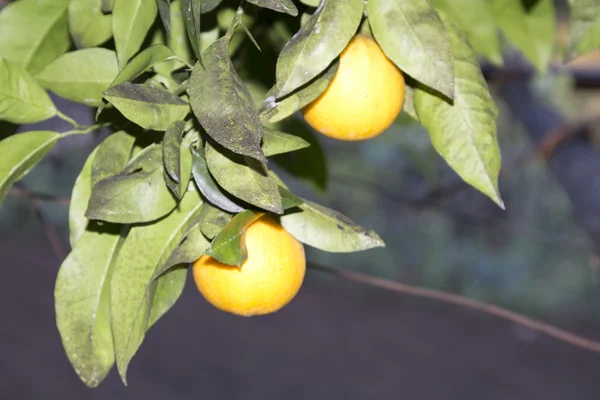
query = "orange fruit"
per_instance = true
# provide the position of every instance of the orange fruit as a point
(363, 99)
(267, 281)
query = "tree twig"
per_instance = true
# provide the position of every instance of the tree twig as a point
(542, 327)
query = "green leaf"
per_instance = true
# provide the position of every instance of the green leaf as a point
(308, 164)
(213, 220)
(476, 18)
(166, 290)
(311, 3)
(207, 185)
(138, 194)
(164, 10)
(189, 250)
(243, 177)
(171, 150)
(289, 199)
(532, 30)
(208, 5)
(80, 196)
(185, 166)
(318, 42)
(112, 156)
(584, 28)
(465, 133)
(328, 230)
(20, 153)
(131, 21)
(81, 75)
(82, 302)
(273, 110)
(409, 100)
(149, 107)
(282, 6)
(145, 250)
(229, 246)
(88, 25)
(191, 16)
(22, 99)
(413, 36)
(276, 142)
(223, 105)
(38, 32)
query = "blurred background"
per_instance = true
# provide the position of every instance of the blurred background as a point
(343, 339)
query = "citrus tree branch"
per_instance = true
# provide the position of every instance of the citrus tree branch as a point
(444, 297)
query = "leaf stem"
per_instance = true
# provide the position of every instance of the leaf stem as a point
(68, 119)
(85, 129)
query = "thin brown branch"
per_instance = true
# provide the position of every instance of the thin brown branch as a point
(542, 327)
(22, 192)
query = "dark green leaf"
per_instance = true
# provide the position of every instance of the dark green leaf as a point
(328, 230)
(229, 246)
(207, 185)
(22, 99)
(164, 10)
(273, 110)
(243, 177)
(145, 250)
(149, 107)
(81, 75)
(82, 302)
(465, 133)
(138, 194)
(171, 150)
(584, 28)
(34, 32)
(20, 153)
(318, 42)
(88, 25)
(208, 5)
(165, 291)
(108, 5)
(308, 164)
(213, 220)
(112, 156)
(276, 142)
(476, 18)
(191, 16)
(82, 190)
(289, 199)
(131, 21)
(223, 105)
(282, 6)
(185, 166)
(531, 29)
(413, 36)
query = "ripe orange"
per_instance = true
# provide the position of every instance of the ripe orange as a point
(364, 97)
(268, 280)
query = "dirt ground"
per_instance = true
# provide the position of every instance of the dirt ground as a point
(337, 340)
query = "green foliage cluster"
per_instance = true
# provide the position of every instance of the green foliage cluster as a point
(185, 170)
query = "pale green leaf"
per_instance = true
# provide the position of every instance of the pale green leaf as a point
(20, 153)
(276, 142)
(282, 6)
(81, 76)
(145, 250)
(328, 230)
(80, 196)
(131, 21)
(34, 32)
(531, 29)
(22, 99)
(229, 246)
(584, 28)
(464, 133)
(88, 25)
(413, 36)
